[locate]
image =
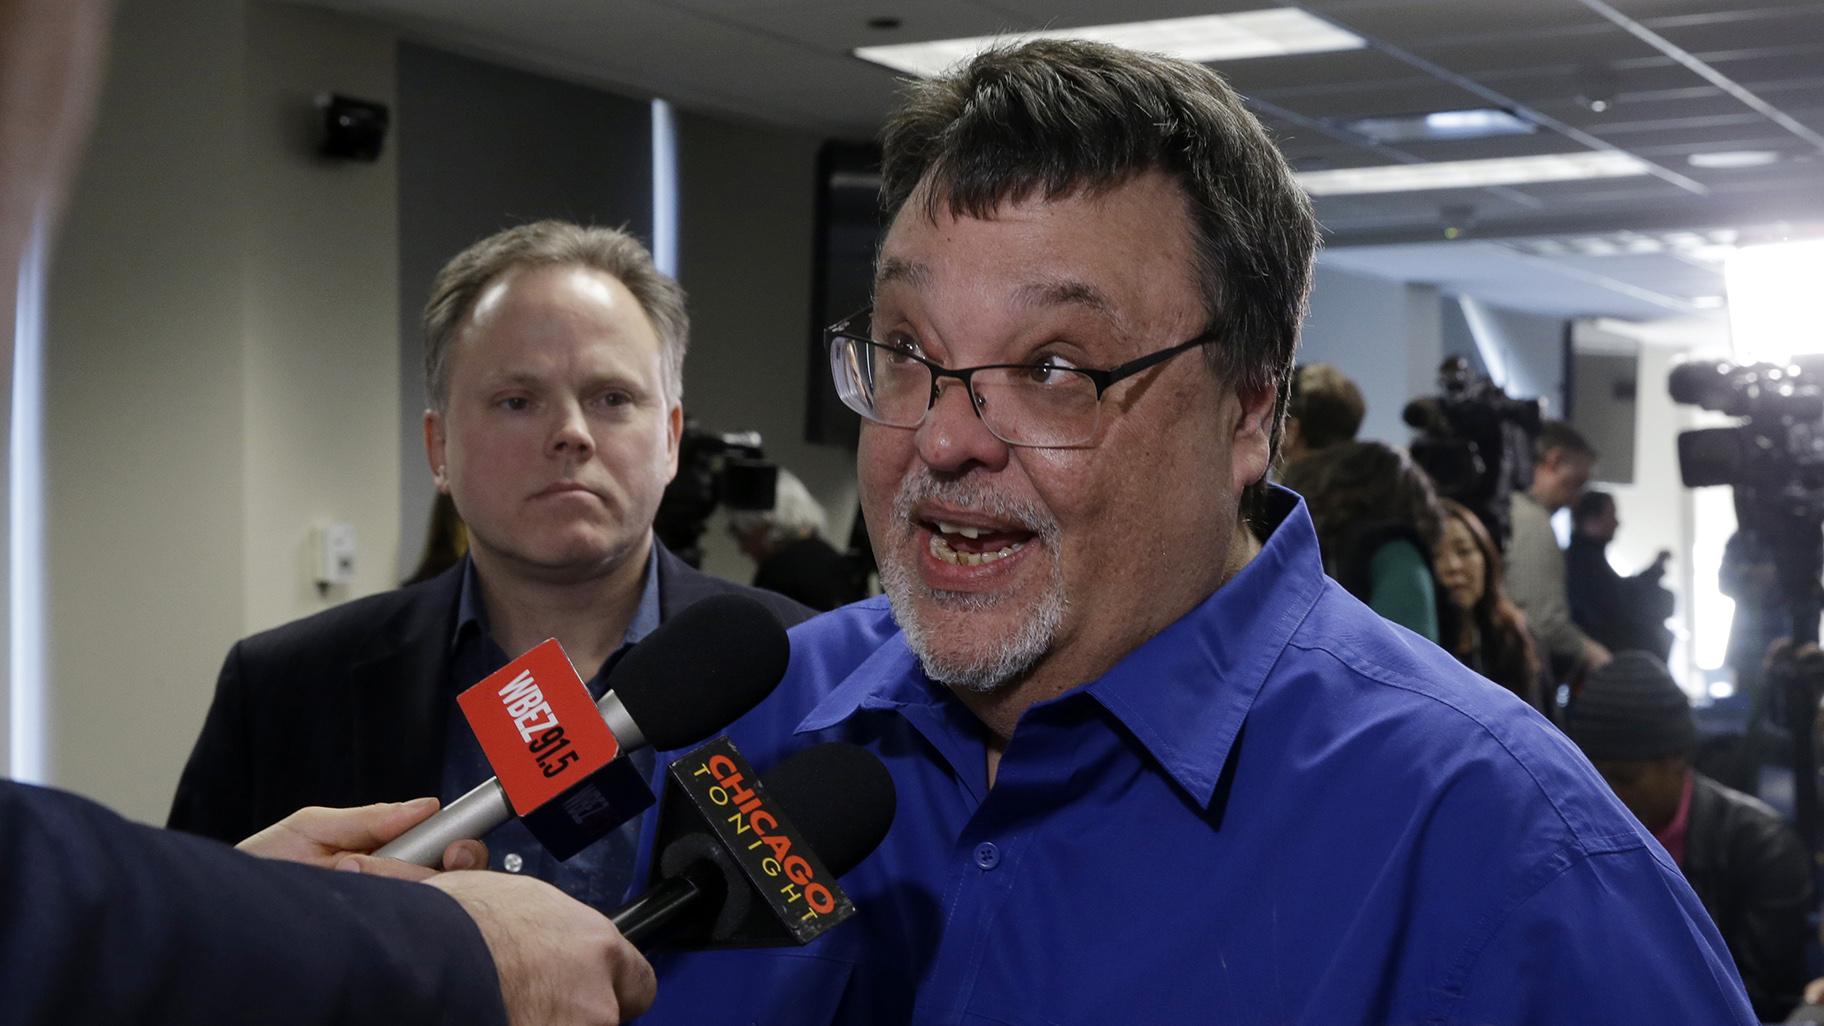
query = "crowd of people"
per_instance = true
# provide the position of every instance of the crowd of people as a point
(1570, 625)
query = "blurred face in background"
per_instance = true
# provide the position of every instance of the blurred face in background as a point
(1603, 526)
(1560, 476)
(1650, 788)
(1461, 571)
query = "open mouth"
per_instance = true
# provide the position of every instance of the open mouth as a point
(961, 544)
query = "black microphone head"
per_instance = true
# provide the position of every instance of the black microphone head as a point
(701, 669)
(839, 796)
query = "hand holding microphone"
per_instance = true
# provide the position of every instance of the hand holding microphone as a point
(560, 962)
(332, 838)
(695, 674)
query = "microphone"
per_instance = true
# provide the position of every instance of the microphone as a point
(747, 875)
(695, 674)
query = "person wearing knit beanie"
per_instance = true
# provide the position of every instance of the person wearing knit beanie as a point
(1634, 723)
(1745, 863)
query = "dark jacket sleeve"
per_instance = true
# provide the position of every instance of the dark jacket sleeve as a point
(214, 795)
(1770, 931)
(102, 920)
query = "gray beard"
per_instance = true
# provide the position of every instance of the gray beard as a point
(1006, 662)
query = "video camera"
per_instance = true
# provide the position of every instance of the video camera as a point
(713, 470)
(1777, 450)
(1774, 459)
(1475, 441)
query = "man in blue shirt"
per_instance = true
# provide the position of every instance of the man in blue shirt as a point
(1152, 766)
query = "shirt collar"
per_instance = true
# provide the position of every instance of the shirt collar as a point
(1185, 692)
(472, 614)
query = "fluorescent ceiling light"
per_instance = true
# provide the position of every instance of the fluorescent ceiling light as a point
(1479, 123)
(1212, 37)
(1776, 310)
(1729, 160)
(1472, 174)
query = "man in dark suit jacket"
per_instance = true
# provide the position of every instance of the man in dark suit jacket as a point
(553, 357)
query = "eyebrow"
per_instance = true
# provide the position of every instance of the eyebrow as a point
(1049, 292)
(1066, 292)
(911, 272)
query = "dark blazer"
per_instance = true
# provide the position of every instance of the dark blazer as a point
(350, 706)
(106, 921)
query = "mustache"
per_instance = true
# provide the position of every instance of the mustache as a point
(974, 496)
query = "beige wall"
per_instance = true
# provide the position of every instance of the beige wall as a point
(321, 279)
(744, 253)
(221, 372)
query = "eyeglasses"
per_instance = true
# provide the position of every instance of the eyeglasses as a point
(1038, 405)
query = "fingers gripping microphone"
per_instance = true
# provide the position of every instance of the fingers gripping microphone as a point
(694, 675)
(745, 874)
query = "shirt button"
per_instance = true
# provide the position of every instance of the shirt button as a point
(512, 862)
(987, 855)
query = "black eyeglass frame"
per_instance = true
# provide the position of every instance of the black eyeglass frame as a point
(1102, 379)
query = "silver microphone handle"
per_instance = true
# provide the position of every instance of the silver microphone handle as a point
(471, 816)
(486, 807)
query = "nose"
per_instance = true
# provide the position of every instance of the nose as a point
(570, 437)
(953, 438)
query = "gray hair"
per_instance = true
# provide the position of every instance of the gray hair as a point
(611, 251)
(1051, 117)
(795, 514)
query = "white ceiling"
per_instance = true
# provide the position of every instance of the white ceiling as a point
(1681, 77)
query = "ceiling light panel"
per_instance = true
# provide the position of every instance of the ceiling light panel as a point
(1206, 38)
(1729, 160)
(1476, 123)
(1472, 174)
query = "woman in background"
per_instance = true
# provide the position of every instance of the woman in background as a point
(1377, 524)
(1482, 626)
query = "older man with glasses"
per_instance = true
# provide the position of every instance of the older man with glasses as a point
(1151, 766)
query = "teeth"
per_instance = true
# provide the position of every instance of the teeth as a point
(942, 550)
(967, 532)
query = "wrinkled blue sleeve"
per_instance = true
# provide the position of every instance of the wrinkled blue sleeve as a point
(103, 920)
(1614, 938)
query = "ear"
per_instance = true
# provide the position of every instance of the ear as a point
(436, 440)
(674, 434)
(1251, 443)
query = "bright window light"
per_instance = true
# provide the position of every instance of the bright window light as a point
(1776, 309)
(28, 713)
(1205, 38)
(1712, 612)
(664, 189)
(1472, 174)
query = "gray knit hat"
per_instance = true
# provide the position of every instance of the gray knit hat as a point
(1631, 710)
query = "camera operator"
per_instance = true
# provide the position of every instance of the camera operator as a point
(1750, 575)
(1621, 613)
(788, 548)
(1535, 565)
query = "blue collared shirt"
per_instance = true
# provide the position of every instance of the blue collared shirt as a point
(1280, 809)
(599, 874)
